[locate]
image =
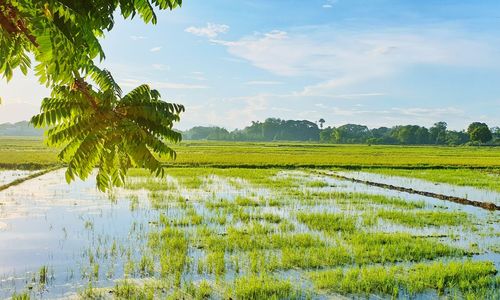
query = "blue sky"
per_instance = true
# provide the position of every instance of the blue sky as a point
(378, 63)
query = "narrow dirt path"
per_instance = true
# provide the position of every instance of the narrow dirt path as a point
(21, 180)
(484, 205)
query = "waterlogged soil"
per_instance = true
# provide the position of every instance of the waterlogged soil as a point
(59, 240)
(7, 176)
(470, 193)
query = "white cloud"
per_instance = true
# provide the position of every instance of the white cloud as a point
(155, 49)
(209, 31)
(343, 58)
(329, 3)
(263, 82)
(137, 37)
(160, 67)
(132, 83)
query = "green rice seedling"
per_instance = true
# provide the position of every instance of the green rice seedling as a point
(369, 218)
(89, 225)
(191, 182)
(240, 214)
(22, 296)
(160, 200)
(260, 261)
(194, 291)
(358, 280)
(314, 257)
(275, 202)
(393, 247)
(43, 275)
(95, 272)
(215, 263)
(114, 250)
(262, 287)
(204, 291)
(171, 245)
(129, 267)
(244, 201)
(219, 218)
(271, 218)
(357, 199)
(146, 266)
(150, 184)
(128, 290)
(285, 226)
(219, 204)
(471, 279)
(479, 178)
(425, 218)
(239, 240)
(190, 219)
(328, 222)
(134, 202)
(90, 292)
(20, 153)
(316, 184)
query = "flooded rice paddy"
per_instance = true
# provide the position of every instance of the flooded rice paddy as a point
(242, 234)
(7, 176)
(466, 192)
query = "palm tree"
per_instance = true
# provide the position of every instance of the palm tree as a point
(321, 122)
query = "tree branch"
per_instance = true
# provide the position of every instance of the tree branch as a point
(10, 21)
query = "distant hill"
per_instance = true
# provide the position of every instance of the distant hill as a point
(23, 128)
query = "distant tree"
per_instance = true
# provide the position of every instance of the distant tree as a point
(271, 128)
(437, 133)
(351, 133)
(495, 131)
(410, 134)
(321, 122)
(479, 132)
(325, 135)
(455, 138)
(207, 133)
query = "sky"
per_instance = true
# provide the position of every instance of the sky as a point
(377, 62)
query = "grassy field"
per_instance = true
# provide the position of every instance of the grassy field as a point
(242, 233)
(255, 221)
(31, 153)
(486, 179)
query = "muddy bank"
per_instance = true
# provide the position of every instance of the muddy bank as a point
(460, 200)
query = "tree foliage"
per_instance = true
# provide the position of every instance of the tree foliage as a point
(273, 129)
(479, 132)
(87, 114)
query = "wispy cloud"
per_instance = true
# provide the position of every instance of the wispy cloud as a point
(137, 37)
(343, 58)
(329, 3)
(210, 31)
(160, 67)
(162, 85)
(263, 82)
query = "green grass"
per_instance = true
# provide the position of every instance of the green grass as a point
(196, 241)
(484, 179)
(262, 287)
(425, 218)
(31, 152)
(396, 247)
(328, 222)
(357, 199)
(472, 279)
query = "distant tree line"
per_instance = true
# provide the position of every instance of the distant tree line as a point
(273, 129)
